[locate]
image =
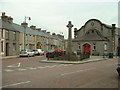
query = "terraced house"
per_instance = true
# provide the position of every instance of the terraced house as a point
(15, 37)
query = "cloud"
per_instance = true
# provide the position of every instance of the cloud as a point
(54, 15)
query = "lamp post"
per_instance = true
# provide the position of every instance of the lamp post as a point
(25, 31)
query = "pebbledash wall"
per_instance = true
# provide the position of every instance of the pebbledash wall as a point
(101, 38)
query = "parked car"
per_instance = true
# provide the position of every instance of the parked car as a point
(59, 51)
(27, 52)
(41, 51)
(50, 54)
(36, 52)
(54, 53)
(118, 69)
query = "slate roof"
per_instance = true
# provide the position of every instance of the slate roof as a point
(92, 37)
(19, 28)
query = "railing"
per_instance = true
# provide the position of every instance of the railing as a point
(73, 57)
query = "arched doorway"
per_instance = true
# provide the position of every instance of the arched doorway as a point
(86, 48)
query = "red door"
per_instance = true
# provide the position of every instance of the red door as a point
(86, 48)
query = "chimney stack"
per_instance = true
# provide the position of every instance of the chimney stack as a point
(113, 29)
(6, 18)
(39, 29)
(33, 27)
(48, 32)
(44, 31)
(61, 36)
(10, 19)
(24, 24)
(53, 34)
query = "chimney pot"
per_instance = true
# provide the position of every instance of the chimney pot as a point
(3, 13)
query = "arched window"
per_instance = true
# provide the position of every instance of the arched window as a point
(94, 46)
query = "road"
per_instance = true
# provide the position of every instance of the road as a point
(30, 73)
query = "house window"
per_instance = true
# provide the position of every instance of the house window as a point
(94, 46)
(2, 33)
(14, 46)
(14, 35)
(33, 37)
(7, 34)
(79, 47)
(105, 46)
(92, 31)
(88, 32)
(2, 46)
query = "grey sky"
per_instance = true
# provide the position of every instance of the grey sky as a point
(54, 16)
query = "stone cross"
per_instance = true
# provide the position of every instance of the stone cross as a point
(69, 45)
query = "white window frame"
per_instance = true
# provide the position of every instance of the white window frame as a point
(14, 35)
(14, 46)
(105, 46)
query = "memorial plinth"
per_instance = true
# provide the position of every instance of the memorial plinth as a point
(69, 55)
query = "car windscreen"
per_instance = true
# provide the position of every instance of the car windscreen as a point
(34, 50)
(23, 50)
(51, 50)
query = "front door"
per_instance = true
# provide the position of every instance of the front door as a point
(7, 49)
(86, 48)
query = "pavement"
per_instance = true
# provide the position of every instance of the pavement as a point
(91, 59)
(8, 57)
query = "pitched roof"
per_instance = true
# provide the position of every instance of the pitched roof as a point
(19, 28)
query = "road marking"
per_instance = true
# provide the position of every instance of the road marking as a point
(15, 84)
(32, 68)
(60, 65)
(8, 70)
(65, 65)
(15, 65)
(47, 66)
(51, 66)
(22, 69)
(41, 67)
(76, 71)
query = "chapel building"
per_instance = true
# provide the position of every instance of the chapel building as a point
(96, 38)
